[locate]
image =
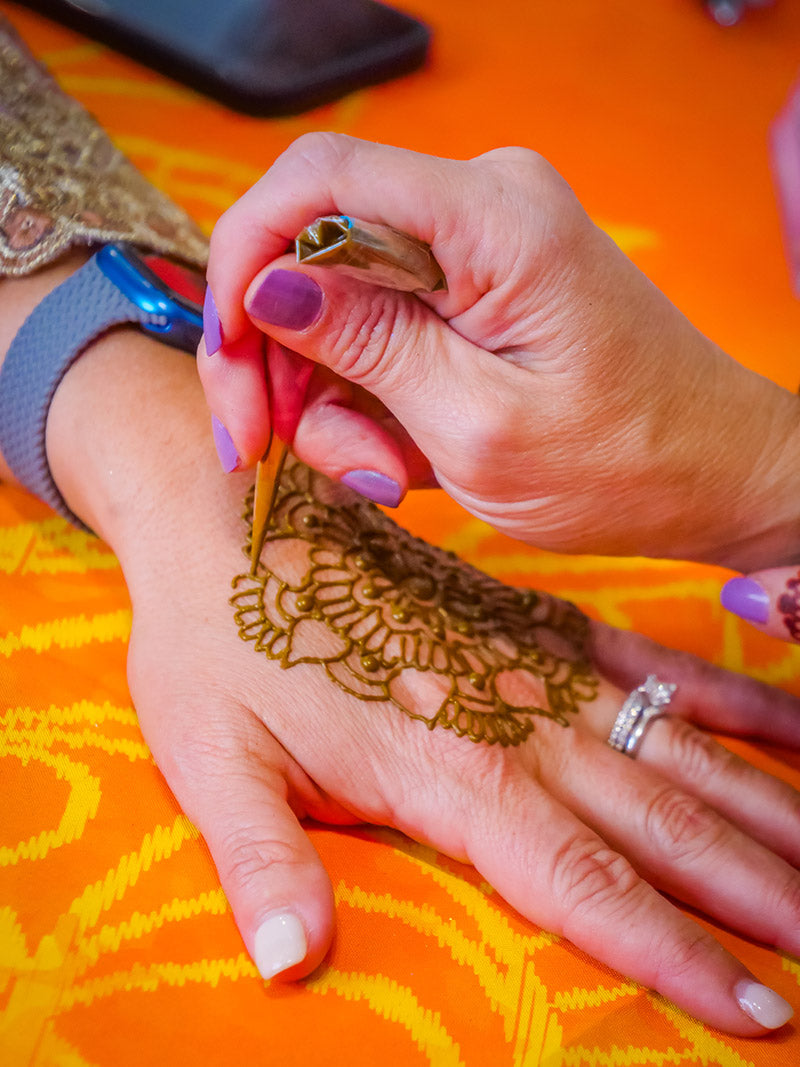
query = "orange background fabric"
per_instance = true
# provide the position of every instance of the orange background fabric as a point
(117, 946)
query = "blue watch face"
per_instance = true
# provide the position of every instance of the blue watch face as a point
(170, 293)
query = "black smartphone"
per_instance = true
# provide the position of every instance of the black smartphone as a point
(263, 57)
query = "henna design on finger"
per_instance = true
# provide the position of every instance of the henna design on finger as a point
(383, 611)
(789, 607)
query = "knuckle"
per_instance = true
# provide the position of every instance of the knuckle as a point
(245, 857)
(490, 458)
(363, 340)
(681, 826)
(520, 165)
(515, 154)
(323, 152)
(495, 433)
(203, 755)
(528, 171)
(785, 904)
(376, 339)
(680, 959)
(192, 760)
(590, 878)
(696, 752)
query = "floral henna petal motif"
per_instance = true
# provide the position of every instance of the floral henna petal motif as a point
(384, 612)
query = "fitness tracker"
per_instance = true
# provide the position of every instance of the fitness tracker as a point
(118, 285)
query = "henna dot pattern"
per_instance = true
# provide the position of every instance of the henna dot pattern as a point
(789, 606)
(377, 608)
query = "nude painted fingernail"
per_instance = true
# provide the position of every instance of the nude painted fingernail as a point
(212, 328)
(762, 1004)
(746, 598)
(374, 486)
(226, 449)
(280, 943)
(286, 298)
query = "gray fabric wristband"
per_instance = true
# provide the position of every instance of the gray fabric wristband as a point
(45, 347)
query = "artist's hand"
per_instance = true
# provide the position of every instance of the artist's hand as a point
(555, 392)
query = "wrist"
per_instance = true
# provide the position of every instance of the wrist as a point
(752, 477)
(126, 421)
(100, 384)
(769, 503)
(130, 447)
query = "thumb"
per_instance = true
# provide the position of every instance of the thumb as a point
(236, 790)
(768, 599)
(389, 343)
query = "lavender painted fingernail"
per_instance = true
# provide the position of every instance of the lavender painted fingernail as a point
(226, 449)
(212, 329)
(286, 298)
(746, 598)
(374, 486)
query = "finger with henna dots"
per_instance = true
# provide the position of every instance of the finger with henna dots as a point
(768, 600)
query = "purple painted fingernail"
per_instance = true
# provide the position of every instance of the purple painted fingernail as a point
(746, 598)
(212, 329)
(374, 486)
(226, 449)
(287, 298)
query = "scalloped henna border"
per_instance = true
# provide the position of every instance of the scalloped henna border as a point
(389, 602)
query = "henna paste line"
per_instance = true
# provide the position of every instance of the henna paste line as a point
(369, 603)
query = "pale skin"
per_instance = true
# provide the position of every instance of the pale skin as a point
(553, 391)
(575, 836)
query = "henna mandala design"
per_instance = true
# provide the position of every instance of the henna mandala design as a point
(371, 603)
(789, 606)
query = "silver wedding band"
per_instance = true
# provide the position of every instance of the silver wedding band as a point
(645, 704)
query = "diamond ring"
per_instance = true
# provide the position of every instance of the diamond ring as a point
(645, 704)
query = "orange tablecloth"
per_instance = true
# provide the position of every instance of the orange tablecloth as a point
(116, 943)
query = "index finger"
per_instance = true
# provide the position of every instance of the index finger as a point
(446, 203)
(319, 174)
(557, 871)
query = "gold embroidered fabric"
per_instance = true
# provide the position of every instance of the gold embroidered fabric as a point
(385, 613)
(62, 181)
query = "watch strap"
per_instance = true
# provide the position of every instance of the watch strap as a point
(53, 336)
